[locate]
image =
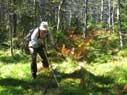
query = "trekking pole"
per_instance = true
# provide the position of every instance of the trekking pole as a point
(50, 67)
(54, 75)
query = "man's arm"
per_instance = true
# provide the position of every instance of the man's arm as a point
(51, 40)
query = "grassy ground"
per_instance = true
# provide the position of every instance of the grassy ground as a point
(74, 77)
(15, 78)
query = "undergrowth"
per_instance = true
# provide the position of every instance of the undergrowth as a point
(99, 71)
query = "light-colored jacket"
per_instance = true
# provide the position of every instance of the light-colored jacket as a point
(36, 41)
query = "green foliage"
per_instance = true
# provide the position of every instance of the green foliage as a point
(103, 46)
(26, 23)
(73, 91)
(97, 57)
(3, 35)
(62, 38)
(122, 53)
(67, 66)
(19, 56)
(76, 25)
(17, 43)
(99, 25)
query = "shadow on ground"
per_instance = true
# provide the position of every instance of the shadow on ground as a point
(89, 83)
(19, 87)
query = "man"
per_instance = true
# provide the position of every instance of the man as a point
(36, 45)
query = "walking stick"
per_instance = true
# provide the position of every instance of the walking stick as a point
(50, 67)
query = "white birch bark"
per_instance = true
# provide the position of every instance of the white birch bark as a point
(58, 20)
(119, 24)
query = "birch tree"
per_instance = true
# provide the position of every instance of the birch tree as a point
(42, 9)
(109, 13)
(119, 23)
(59, 9)
(113, 15)
(85, 19)
(102, 9)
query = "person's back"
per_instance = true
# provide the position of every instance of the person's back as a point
(34, 38)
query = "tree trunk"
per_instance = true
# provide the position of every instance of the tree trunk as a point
(14, 24)
(119, 24)
(109, 13)
(59, 9)
(42, 10)
(113, 16)
(35, 13)
(102, 9)
(70, 17)
(85, 19)
(70, 14)
(14, 20)
(11, 33)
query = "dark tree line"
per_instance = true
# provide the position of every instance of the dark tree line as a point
(18, 16)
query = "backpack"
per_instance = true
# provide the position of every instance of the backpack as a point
(27, 38)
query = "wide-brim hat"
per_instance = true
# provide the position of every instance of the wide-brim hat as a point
(43, 26)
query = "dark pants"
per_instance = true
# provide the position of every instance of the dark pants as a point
(43, 56)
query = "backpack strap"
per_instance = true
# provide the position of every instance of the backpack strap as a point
(38, 33)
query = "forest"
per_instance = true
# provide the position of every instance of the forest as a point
(90, 57)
